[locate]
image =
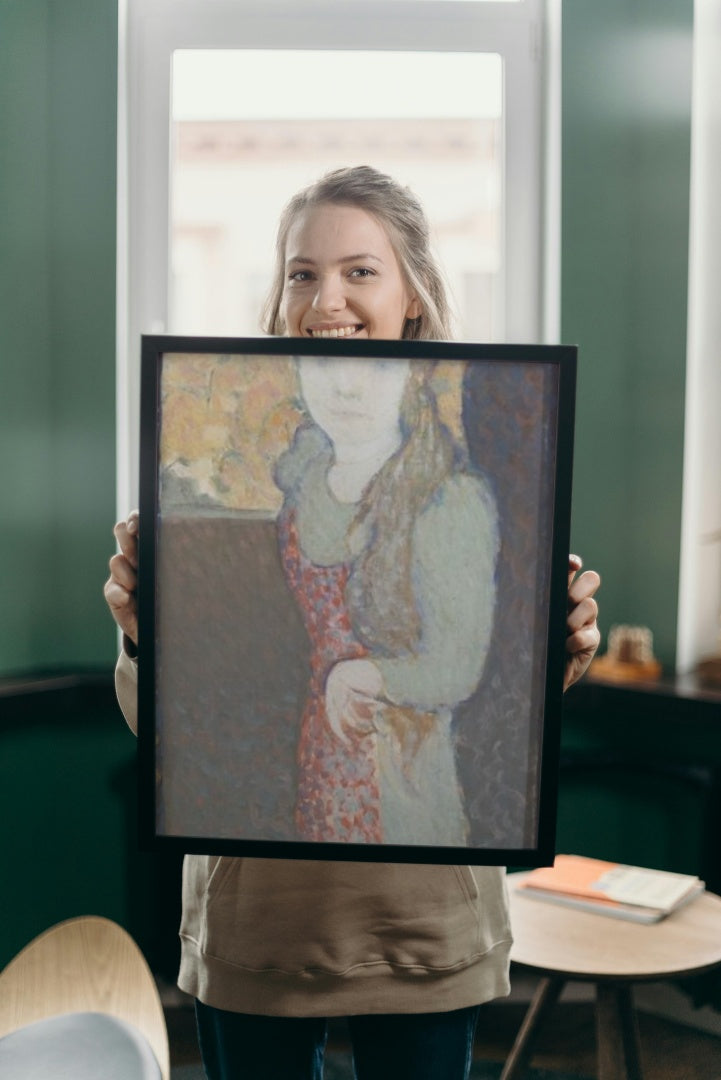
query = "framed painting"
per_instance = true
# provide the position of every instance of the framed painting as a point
(352, 597)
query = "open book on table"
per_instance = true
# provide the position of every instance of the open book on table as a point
(609, 888)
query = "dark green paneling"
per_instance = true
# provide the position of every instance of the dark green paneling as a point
(65, 790)
(58, 75)
(626, 143)
(642, 778)
(68, 798)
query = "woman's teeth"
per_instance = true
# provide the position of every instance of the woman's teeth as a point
(336, 332)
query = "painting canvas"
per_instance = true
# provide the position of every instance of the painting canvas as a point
(352, 601)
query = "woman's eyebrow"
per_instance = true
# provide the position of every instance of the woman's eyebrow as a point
(361, 257)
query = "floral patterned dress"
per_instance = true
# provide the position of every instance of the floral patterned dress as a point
(338, 785)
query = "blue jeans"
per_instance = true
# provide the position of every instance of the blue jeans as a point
(415, 1046)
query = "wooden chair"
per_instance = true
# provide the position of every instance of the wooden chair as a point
(85, 967)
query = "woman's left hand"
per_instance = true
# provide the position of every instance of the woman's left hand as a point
(583, 635)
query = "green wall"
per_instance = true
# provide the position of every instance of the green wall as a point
(626, 146)
(58, 72)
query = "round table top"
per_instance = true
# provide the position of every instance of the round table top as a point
(559, 940)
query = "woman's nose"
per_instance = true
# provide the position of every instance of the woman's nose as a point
(329, 296)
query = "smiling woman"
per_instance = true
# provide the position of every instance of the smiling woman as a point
(332, 292)
(353, 258)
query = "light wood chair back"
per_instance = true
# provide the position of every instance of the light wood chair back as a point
(87, 964)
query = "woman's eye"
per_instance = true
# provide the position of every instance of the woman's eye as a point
(362, 272)
(300, 276)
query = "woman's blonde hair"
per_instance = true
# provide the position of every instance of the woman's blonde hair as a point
(403, 217)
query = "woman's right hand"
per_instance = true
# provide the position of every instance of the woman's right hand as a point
(122, 585)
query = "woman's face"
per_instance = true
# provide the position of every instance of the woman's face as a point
(355, 400)
(342, 277)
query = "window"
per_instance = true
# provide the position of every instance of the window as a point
(235, 161)
(227, 107)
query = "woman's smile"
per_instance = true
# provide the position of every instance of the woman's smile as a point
(335, 331)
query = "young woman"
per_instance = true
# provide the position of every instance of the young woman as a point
(271, 948)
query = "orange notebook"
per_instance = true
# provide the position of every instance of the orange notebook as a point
(631, 892)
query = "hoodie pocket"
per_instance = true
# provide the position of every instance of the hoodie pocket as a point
(468, 884)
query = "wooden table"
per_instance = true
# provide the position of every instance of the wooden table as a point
(563, 944)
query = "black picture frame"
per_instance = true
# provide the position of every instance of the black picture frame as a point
(229, 764)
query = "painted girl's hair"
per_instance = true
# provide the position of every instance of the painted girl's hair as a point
(403, 217)
(380, 591)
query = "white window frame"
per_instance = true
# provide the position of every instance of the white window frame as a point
(526, 34)
(699, 597)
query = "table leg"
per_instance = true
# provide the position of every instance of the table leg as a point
(545, 997)
(617, 1033)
